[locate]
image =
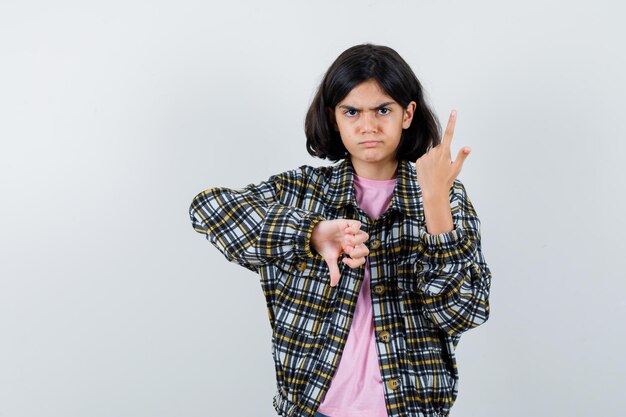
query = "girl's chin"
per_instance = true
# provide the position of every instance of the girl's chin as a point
(371, 155)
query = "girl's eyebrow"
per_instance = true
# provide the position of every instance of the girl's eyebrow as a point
(386, 103)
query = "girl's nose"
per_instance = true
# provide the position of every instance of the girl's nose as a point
(368, 123)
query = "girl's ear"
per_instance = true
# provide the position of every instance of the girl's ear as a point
(408, 115)
(331, 116)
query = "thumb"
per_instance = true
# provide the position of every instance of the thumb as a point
(333, 269)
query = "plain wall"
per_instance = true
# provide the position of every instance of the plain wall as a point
(114, 115)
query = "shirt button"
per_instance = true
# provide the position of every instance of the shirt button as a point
(393, 383)
(379, 289)
(375, 244)
(384, 336)
(302, 266)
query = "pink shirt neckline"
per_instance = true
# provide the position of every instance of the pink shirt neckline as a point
(364, 180)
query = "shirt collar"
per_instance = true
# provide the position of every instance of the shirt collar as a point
(405, 194)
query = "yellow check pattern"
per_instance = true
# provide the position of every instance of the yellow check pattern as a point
(427, 289)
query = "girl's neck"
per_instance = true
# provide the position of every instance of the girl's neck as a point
(383, 171)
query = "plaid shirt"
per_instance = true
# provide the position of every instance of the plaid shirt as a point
(427, 289)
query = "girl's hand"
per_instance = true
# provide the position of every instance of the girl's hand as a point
(435, 170)
(331, 238)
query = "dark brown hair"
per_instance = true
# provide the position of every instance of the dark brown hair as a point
(358, 64)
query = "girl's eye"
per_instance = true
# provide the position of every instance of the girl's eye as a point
(383, 110)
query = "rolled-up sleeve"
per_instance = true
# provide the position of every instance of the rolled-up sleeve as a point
(453, 279)
(251, 226)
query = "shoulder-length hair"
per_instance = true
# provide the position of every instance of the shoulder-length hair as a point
(358, 64)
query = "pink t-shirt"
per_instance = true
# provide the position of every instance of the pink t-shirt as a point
(356, 389)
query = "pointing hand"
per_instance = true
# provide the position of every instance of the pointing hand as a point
(435, 169)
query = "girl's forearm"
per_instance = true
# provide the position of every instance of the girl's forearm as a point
(438, 214)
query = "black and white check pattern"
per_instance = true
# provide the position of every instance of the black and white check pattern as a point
(427, 289)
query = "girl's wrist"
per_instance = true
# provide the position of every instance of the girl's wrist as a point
(437, 213)
(435, 195)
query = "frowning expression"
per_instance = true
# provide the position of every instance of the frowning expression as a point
(370, 123)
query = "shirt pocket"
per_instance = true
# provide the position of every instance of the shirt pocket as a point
(294, 355)
(304, 299)
(408, 245)
(431, 382)
(406, 276)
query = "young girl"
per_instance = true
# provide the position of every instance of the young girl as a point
(371, 268)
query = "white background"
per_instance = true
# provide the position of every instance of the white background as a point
(114, 115)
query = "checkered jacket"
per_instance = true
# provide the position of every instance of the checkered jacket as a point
(427, 289)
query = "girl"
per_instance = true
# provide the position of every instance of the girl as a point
(371, 268)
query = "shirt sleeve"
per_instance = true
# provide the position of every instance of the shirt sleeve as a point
(251, 226)
(453, 279)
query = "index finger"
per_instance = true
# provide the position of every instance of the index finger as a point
(447, 136)
(353, 226)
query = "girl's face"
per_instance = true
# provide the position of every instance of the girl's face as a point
(370, 124)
